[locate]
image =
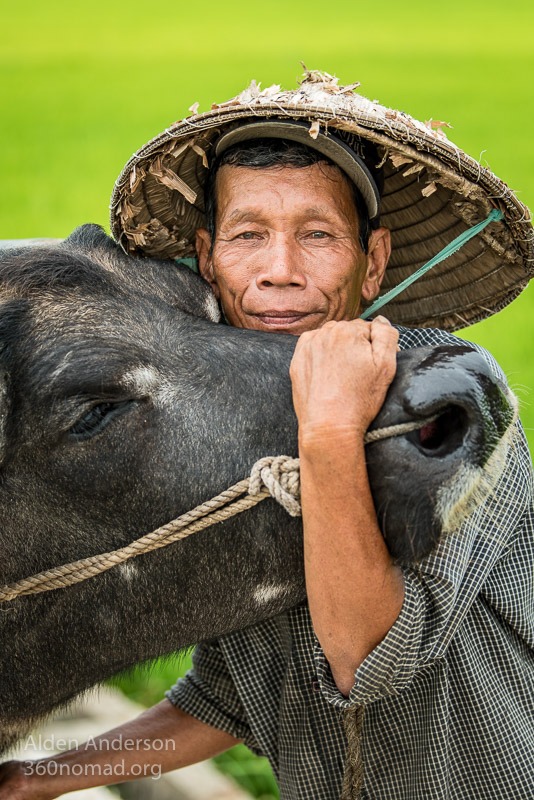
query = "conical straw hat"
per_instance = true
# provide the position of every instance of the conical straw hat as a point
(432, 193)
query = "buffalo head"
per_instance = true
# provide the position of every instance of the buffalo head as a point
(122, 405)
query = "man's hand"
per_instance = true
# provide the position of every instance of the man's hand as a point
(186, 740)
(340, 375)
(13, 785)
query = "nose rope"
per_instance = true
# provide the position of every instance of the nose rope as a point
(274, 476)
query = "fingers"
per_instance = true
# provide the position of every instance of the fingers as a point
(340, 373)
(379, 334)
(384, 341)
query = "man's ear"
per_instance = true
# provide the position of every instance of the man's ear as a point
(377, 261)
(205, 264)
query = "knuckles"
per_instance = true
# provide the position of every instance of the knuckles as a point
(371, 346)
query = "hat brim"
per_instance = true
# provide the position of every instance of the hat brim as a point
(432, 193)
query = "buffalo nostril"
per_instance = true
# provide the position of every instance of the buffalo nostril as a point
(430, 436)
(442, 435)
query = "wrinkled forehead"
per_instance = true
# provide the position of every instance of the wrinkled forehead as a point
(316, 191)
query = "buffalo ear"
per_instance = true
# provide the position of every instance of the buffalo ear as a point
(196, 296)
(89, 237)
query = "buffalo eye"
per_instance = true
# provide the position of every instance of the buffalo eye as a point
(95, 420)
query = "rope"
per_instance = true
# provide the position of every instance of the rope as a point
(352, 719)
(274, 476)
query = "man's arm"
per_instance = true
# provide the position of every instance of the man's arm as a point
(340, 375)
(185, 739)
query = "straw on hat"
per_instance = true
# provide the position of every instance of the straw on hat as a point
(432, 193)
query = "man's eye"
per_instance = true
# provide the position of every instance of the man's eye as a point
(318, 235)
(247, 235)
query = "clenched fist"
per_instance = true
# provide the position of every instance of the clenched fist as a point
(340, 375)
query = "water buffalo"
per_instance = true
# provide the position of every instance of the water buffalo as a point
(123, 405)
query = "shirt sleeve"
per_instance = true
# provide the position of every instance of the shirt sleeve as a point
(442, 589)
(208, 693)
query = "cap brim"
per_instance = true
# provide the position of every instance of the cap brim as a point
(326, 144)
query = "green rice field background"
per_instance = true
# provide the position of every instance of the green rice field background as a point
(84, 85)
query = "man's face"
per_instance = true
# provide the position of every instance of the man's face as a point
(286, 256)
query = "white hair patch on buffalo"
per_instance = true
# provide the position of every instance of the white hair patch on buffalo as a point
(148, 381)
(470, 486)
(128, 571)
(211, 308)
(269, 591)
(142, 380)
(61, 366)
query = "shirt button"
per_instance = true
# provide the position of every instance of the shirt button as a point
(315, 685)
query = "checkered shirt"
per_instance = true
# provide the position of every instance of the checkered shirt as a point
(448, 693)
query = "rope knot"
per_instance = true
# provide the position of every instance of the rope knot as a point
(280, 475)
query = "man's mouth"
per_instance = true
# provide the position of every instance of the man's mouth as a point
(277, 317)
(284, 321)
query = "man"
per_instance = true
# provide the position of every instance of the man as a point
(438, 656)
(286, 256)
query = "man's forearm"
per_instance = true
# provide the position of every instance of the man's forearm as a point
(355, 592)
(161, 739)
(340, 375)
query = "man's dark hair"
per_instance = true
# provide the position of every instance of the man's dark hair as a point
(266, 153)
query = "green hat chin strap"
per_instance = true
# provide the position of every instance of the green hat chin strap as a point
(494, 216)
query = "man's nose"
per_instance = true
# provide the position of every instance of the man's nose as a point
(281, 266)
